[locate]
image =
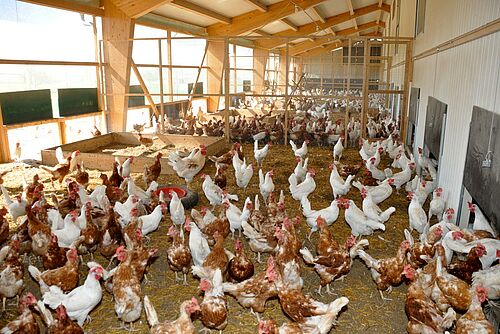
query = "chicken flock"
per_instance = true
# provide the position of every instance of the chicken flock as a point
(450, 271)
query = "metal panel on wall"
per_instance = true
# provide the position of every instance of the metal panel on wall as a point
(483, 183)
(414, 97)
(435, 115)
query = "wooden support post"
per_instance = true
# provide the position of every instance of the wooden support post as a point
(4, 141)
(100, 99)
(346, 121)
(160, 71)
(145, 90)
(287, 74)
(364, 110)
(259, 69)
(408, 68)
(104, 98)
(61, 124)
(170, 88)
(118, 29)
(321, 71)
(226, 89)
(191, 93)
(235, 74)
(388, 81)
(215, 62)
(282, 69)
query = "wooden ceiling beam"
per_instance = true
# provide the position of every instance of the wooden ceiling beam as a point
(289, 23)
(349, 5)
(380, 16)
(310, 28)
(308, 45)
(138, 8)
(333, 46)
(261, 32)
(257, 19)
(68, 5)
(257, 5)
(318, 14)
(194, 8)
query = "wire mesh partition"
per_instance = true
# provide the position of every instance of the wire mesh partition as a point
(221, 84)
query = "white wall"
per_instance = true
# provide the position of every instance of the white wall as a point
(461, 77)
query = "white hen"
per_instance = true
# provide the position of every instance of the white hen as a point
(417, 216)
(176, 209)
(303, 189)
(339, 186)
(266, 184)
(372, 211)
(17, 207)
(338, 149)
(198, 244)
(81, 300)
(260, 154)
(299, 152)
(357, 220)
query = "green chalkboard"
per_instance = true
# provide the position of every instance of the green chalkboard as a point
(136, 101)
(77, 101)
(26, 106)
(198, 91)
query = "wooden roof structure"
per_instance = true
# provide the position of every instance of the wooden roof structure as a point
(308, 24)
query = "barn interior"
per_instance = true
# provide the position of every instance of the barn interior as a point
(308, 109)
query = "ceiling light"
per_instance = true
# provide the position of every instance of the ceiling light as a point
(297, 8)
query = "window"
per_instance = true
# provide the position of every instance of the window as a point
(358, 54)
(46, 33)
(420, 19)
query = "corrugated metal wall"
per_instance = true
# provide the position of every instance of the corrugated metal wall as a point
(462, 77)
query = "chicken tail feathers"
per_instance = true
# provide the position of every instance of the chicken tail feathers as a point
(328, 319)
(46, 315)
(5, 193)
(232, 197)
(367, 259)
(358, 185)
(449, 318)
(388, 172)
(47, 169)
(307, 255)
(54, 297)
(354, 251)
(34, 272)
(150, 312)
(37, 276)
(201, 272)
(230, 288)
(384, 216)
(409, 237)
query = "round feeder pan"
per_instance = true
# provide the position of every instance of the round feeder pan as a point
(188, 197)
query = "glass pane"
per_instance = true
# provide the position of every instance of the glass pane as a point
(30, 77)
(187, 51)
(46, 33)
(182, 77)
(33, 139)
(146, 52)
(244, 57)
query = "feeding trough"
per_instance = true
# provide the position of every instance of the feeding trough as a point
(100, 152)
(188, 197)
